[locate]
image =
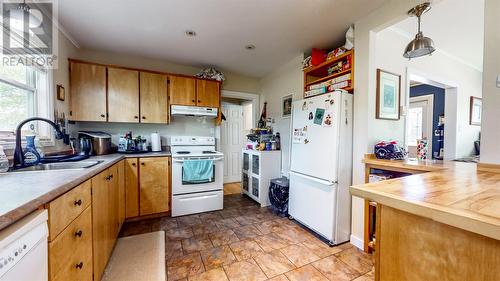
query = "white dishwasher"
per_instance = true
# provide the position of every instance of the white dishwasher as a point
(23, 249)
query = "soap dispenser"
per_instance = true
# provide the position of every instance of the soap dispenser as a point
(31, 155)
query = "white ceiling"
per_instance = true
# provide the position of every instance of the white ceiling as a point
(457, 28)
(280, 29)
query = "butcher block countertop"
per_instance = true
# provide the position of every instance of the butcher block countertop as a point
(452, 193)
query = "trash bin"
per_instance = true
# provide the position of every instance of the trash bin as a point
(278, 195)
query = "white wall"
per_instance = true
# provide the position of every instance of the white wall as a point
(439, 67)
(288, 79)
(490, 145)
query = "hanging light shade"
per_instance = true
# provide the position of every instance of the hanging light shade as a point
(421, 45)
(22, 13)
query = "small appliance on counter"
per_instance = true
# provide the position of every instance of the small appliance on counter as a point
(100, 142)
(390, 150)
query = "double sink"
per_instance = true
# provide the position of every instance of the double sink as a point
(61, 166)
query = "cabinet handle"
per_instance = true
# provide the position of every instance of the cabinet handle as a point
(193, 100)
(78, 202)
(107, 178)
(136, 117)
(111, 176)
(79, 265)
(102, 115)
(143, 164)
(78, 233)
(133, 164)
(199, 100)
(143, 117)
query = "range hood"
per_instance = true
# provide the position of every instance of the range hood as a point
(182, 110)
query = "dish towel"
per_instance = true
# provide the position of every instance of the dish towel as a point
(197, 171)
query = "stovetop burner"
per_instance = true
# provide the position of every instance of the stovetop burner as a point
(183, 152)
(208, 152)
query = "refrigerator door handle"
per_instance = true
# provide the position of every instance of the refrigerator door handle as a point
(324, 182)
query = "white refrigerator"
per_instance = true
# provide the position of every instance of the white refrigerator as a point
(321, 165)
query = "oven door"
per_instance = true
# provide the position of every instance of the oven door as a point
(180, 187)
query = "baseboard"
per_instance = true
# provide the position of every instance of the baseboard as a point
(487, 167)
(359, 243)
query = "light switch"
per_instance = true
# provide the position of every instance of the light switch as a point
(498, 81)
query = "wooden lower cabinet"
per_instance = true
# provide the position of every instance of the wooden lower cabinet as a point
(154, 182)
(131, 188)
(71, 252)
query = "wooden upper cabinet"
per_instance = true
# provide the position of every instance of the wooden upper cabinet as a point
(207, 93)
(154, 98)
(87, 92)
(123, 95)
(182, 90)
(154, 185)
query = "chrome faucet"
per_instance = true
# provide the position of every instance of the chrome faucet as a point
(18, 153)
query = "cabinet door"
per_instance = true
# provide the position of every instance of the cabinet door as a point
(100, 223)
(123, 95)
(154, 185)
(182, 90)
(113, 203)
(87, 92)
(154, 98)
(121, 193)
(207, 93)
(131, 188)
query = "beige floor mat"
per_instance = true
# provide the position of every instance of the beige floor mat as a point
(137, 258)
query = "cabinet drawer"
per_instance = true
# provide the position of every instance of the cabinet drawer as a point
(63, 210)
(70, 254)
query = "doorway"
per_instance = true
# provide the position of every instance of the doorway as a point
(420, 125)
(239, 111)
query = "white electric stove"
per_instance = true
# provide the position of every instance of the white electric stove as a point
(195, 197)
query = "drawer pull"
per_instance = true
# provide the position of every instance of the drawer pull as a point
(78, 233)
(78, 202)
(111, 176)
(79, 265)
(133, 164)
(143, 164)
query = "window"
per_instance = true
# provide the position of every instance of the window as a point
(24, 92)
(415, 125)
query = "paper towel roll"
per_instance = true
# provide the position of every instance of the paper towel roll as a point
(155, 142)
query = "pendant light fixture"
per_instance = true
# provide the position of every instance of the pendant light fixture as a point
(23, 12)
(421, 45)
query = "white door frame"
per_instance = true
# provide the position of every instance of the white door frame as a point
(245, 96)
(451, 105)
(429, 118)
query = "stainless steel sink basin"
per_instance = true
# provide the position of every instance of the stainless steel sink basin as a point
(61, 166)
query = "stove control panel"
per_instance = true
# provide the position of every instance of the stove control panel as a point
(189, 140)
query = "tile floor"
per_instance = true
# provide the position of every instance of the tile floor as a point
(245, 242)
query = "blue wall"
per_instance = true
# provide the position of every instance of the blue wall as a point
(438, 94)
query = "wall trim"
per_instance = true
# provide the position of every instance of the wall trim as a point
(357, 242)
(488, 167)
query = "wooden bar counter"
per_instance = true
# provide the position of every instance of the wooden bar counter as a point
(440, 223)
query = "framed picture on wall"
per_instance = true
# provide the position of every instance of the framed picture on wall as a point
(476, 105)
(61, 94)
(286, 106)
(388, 95)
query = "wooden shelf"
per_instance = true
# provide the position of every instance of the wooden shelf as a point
(318, 68)
(326, 78)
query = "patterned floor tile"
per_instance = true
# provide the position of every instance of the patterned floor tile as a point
(184, 266)
(357, 259)
(223, 237)
(164, 223)
(247, 270)
(335, 269)
(270, 226)
(246, 249)
(305, 273)
(188, 220)
(271, 241)
(228, 223)
(213, 216)
(178, 233)
(299, 255)
(173, 249)
(217, 257)
(247, 220)
(274, 263)
(320, 248)
(216, 274)
(192, 245)
(247, 232)
(370, 276)
(278, 278)
(202, 230)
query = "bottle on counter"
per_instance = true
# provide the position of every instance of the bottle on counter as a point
(278, 141)
(31, 156)
(4, 162)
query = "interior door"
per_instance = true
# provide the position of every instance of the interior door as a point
(154, 98)
(154, 185)
(207, 93)
(420, 123)
(182, 90)
(88, 92)
(232, 141)
(123, 95)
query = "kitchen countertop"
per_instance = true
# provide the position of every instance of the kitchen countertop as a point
(452, 193)
(410, 164)
(23, 192)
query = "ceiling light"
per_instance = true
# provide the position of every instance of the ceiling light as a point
(421, 45)
(22, 12)
(250, 47)
(191, 33)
